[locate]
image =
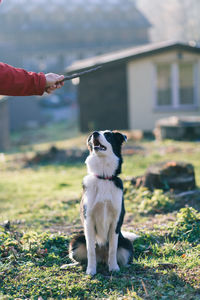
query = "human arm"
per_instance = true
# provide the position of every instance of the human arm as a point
(19, 82)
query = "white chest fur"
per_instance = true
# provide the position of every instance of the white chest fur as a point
(102, 165)
(103, 201)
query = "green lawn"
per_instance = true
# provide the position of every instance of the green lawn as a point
(42, 205)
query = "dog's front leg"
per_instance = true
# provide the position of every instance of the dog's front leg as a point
(90, 243)
(112, 255)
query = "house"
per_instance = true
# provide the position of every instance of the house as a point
(25, 112)
(138, 86)
(85, 28)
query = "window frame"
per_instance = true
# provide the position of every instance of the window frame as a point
(175, 86)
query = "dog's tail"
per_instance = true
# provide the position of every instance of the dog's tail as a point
(77, 248)
(130, 235)
(78, 252)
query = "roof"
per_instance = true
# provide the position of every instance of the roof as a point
(132, 53)
(3, 98)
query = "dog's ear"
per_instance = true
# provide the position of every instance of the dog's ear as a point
(89, 142)
(121, 138)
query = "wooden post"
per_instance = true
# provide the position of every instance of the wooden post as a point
(4, 125)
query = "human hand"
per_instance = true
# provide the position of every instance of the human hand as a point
(53, 82)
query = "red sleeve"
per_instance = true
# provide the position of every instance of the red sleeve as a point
(18, 82)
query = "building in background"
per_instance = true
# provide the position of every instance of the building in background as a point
(25, 112)
(22, 113)
(49, 37)
(138, 86)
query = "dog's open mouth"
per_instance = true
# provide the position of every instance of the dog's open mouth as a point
(98, 146)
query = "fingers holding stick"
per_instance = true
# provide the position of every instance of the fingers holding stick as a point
(53, 82)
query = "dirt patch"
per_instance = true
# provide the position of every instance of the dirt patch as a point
(74, 155)
(130, 150)
(55, 155)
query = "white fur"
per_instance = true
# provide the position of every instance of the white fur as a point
(122, 255)
(103, 201)
(130, 235)
(103, 163)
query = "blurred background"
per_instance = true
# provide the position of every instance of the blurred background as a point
(51, 36)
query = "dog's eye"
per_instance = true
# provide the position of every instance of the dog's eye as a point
(108, 136)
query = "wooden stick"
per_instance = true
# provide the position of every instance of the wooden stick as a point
(80, 73)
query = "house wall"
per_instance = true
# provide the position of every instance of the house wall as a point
(141, 81)
(102, 98)
(24, 111)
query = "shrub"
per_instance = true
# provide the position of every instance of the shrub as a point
(156, 202)
(147, 202)
(187, 225)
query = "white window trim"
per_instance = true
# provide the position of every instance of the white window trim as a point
(176, 105)
(196, 83)
(175, 85)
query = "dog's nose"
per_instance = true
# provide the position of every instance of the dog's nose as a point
(95, 134)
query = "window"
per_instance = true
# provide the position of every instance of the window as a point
(186, 84)
(164, 85)
(176, 86)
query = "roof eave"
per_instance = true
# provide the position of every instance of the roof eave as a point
(98, 60)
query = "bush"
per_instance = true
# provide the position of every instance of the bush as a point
(187, 225)
(156, 202)
(147, 202)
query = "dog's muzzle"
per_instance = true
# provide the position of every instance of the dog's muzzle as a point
(97, 146)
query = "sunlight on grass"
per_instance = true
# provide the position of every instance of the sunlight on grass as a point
(42, 203)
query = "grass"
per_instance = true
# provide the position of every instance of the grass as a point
(47, 133)
(40, 212)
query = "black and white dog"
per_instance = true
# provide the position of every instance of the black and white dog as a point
(102, 206)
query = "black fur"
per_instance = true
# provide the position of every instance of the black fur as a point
(126, 244)
(76, 242)
(115, 139)
(117, 181)
(84, 210)
(89, 143)
(79, 240)
(121, 218)
(84, 187)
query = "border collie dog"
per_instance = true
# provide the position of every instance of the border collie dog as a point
(102, 207)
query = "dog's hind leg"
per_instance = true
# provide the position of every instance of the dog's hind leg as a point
(124, 251)
(77, 248)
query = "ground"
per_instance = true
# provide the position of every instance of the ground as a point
(39, 207)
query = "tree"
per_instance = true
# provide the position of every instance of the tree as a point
(173, 19)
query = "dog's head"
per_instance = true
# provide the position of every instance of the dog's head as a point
(104, 143)
(107, 144)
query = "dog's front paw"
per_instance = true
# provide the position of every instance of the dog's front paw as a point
(91, 271)
(114, 268)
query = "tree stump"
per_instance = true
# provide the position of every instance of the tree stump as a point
(178, 128)
(178, 176)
